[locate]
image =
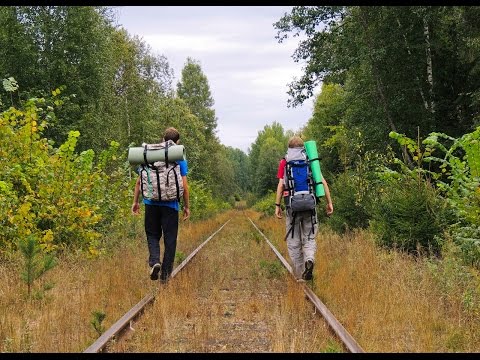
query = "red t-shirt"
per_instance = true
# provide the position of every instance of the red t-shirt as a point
(281, 169)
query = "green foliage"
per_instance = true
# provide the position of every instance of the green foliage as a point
(250, 199)
(195, 90)
(61, 197)
(179, 257)
(266, 205)
(97, 321)
(212, 164)
(394, 64)
(223, 177)
(117, 89)
(36, 263)
(266, 152)
(452, 165)
(241, 171)
(272, 269)
(333, 347)
(333, 142)
(455, 280)
(202, 204)
(409, 215)
(114, 78)
(351, 210)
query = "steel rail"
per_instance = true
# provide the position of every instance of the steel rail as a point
(121, 325)
(334, 324)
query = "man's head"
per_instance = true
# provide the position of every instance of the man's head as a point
(171, 134)
(295, 141)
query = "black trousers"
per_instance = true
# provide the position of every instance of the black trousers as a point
(158, 220)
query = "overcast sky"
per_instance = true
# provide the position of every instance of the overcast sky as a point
(247, 69)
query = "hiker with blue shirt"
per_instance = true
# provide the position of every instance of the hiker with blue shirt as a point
(296, 186)
(162, 184)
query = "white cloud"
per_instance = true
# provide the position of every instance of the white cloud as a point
(273, 81)
(215, 43)
(193, 43)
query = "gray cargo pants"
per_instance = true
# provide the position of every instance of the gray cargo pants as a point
(302, 246)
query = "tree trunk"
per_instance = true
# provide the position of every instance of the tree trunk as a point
(428, 52)
(417, 79)
(128, 118)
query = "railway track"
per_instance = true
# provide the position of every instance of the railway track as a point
(124, 325)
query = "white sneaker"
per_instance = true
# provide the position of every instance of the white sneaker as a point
(154, 271)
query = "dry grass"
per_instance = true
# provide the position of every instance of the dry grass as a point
(388, 301)
(59, 321)
(234, 297)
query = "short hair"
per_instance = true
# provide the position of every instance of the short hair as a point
(295, 141)
(171, 134)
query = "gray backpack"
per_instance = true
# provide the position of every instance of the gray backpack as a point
(161, 181)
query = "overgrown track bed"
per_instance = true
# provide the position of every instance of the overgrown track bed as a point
(335, 325)
(236, 297)
(122, 325)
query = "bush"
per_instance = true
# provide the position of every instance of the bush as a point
(453, 166)
(266, 205)
(409, 215)
(202, 204)
(350, 211)
(251, 199)
(53, 193)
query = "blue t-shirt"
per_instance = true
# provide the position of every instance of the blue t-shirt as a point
(174, 204)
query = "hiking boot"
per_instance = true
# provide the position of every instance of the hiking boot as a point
(308, 273)
(154, 271)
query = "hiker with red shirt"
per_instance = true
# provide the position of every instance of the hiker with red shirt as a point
(301, 226)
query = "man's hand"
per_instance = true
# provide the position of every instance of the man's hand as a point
(278, 211)
(136, 208)
(329, 209)
(186, 213)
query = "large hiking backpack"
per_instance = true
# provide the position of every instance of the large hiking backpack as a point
(161, 181)
(299, 186)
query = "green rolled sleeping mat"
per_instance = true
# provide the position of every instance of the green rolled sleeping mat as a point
(154, 153)
(312, 153)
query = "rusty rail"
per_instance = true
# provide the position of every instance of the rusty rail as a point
(334, 324)
(124, 323)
